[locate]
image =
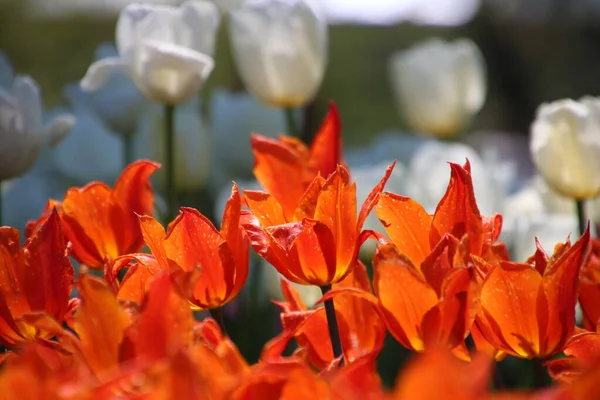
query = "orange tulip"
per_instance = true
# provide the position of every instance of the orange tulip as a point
(101, 222)
(286, 167)
(362, 332)
(589, 291)
(416, 233)
(35, 278)
(528, 310)
(431, 307)
(317, 245)
(193, 242)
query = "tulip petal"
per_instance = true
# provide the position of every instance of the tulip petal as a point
(326, 147)
(404, 296)
(139, 276)
(265, 208)
(279, 170)
(100, 324)
(373, 197)
(407, 224)
(509, 301)
(457, 212)
(315, 248)
(154, 235)
(336, 208)
(560, 285)
(99, 72)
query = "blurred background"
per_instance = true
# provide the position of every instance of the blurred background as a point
(535, 51)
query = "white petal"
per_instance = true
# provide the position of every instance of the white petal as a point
(201, 18)
(470, 67)
(127, 30)
(6, 72)
(59, 127)
(29, 103)
(99, 72)
(171, 74)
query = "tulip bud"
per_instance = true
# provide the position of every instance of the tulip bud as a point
(22, 134)
(280, 48)
(439, 86)
(166, 51)
(118, 104)
(565, 146)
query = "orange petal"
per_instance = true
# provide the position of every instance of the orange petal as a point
(336, 208)
(314, 247)
(509, 301)
(139, 276)
(584, 352)
(100, 324)
(357, 381)
(440, 262)
(193, 242)
(404, 296)
(164, 324)
(457, 212)
(37, 278)
(448, 323)
(154, 235)
(407, 224)
(373, 197)
(560, 285)
(87, 222)
(265, 208)
(454, 379)
(132, 195)
(326, 147)
(279, 169)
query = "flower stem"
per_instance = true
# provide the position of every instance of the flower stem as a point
(581, 217)
(540, 377)
(292, 126)
(127, 150)
(334, 331)
(170, 167)
(217, 315)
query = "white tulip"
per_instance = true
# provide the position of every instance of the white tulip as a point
(118, 104)
(280, 48)
(565, 146)
(439, 86)
(22, 132)
(192, 150)
(166, 51)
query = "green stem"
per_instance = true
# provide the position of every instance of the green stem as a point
(218, 316)
(291, 123)
(127, 150)
(170, 164)
(540, 377)
(581, 217)
(334, 331)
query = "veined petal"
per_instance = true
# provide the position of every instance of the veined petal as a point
(403, 294)
(99, 72)
(86, 216)
(133, 195)
(315, 248)
(326, 147)
(265, 208)
(407, 224)
(336, 208)
(136, 281)
(100, 324)
(279, 169)
(509, 301)
(561, 285)
(457, 212)
(373, 197)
